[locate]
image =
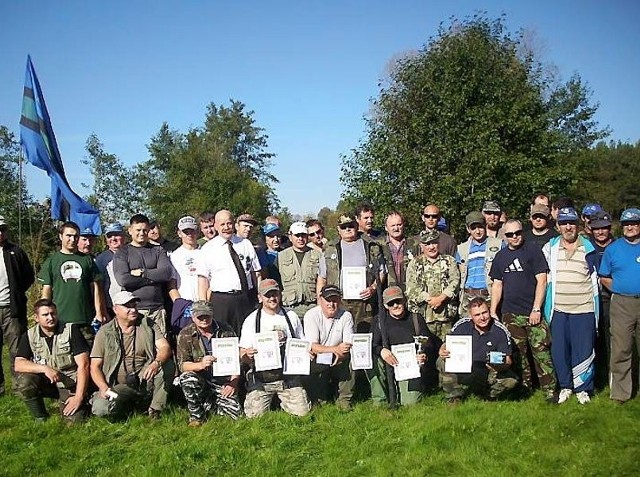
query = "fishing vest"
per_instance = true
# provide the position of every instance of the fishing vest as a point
(333, 259)
(298, 280)
(60, 357)
(492, 247)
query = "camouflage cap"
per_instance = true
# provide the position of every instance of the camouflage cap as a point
(346, 219)
(246, 218)
(630, 215)
(391, 294)
(429, 236)
(491, 206)
(201, 308)
(475, 217)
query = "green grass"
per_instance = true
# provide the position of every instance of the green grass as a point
(475, 438)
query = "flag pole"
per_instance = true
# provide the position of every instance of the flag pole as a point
(20, 193)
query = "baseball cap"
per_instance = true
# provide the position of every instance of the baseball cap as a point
(268, 285)
(114, 228)
(87, 232)
(428, 236)
(247, 218)
(298, 228)
(201, 308)
(567, 214)
(346, 219)
(630, 215)
(475, 217)
(600, 219)
(392, 293)
(330, 290)
(590, 209)
(491, 206)
(442, 224)
(270, 228)
(540, 209)
(123, 297)
(187, 222)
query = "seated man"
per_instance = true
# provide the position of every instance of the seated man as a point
(329, 327)
(52, 360)
(396, 325)
(130, 363)
(487, 335)
(201, 389)
(263, 386)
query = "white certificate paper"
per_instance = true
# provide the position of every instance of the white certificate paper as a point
(459, 360)
(227, 356)
(267, 351)
(354, 280)
(407, 367)
(296, 357)
(325, 358)
(361, 351)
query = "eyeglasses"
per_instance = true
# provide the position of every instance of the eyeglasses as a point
(300, 235)
(113, 235)
(347, 226)
(431, 216)
(203, 317)
(313, 234)
(566, 223)
(395, 303)
(515, 233)
(491, 212)
(630, 224)
(539, 217)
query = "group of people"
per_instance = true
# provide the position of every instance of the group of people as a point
(552, 303)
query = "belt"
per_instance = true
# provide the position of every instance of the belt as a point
(477, 291)
(232, 292)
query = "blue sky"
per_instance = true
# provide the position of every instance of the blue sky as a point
(307, 69)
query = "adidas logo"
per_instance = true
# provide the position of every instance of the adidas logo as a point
(514, 267)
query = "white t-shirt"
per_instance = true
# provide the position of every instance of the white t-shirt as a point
(269, 322)
(217, 266)
(184, 263)
(5, 294)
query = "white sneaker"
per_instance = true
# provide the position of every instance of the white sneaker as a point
(564, 395)
(583, 397)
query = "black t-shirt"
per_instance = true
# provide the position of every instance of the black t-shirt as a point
(402, 331)
(517, 269)
(78, 344)
(496, 338)
(540, 240)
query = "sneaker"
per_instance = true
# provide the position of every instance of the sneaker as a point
(153, 414)
(195, 423)
(564, 395)
(583, 397)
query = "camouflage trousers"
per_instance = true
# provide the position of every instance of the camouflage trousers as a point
(159, 317)
(440, 328)
(533, 343)
(362, 312)
(481, 380)
(204, 395)
(293, 397)
(34, 387)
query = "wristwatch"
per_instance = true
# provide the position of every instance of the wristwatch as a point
(535, 310)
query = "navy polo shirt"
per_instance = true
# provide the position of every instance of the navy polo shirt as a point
(496, 338)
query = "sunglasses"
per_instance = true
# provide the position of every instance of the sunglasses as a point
(491, 212)
(313, 234)
(347, 226)
(476, 226)
(300, 235)
(515, 233)
(566, 223)
(539, 217)
(395, 303)
(431, 216)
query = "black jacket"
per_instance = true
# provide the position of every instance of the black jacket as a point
(21, 277)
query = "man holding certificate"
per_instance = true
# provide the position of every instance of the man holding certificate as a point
(402, 340)
(263, 341)
(329, 328)
(201, 344)
(488, 359)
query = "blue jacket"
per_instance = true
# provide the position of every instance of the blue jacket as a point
(550, 251)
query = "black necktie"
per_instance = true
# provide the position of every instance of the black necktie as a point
(241, 273)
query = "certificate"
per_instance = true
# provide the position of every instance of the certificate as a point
(459, 360)
(407, 367)
(227, 356)
(354, 280)
(325, 358)
(296, 357)
(267, 351)
(361, 351)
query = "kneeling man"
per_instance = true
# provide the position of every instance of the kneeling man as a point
(489, 338)
(52, 360)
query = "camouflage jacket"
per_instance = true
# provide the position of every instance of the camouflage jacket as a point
(190, 347)
(427, 279)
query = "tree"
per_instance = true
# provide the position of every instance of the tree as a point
(465, 120)
(223, 164)
(10, 181)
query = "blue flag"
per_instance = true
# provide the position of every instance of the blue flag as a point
(41, 150)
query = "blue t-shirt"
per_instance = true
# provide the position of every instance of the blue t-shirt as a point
(621, 262)
(517, 270)
(475, 266)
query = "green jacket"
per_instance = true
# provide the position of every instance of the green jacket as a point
(333, 260)
(427, 279)
(410, 246)
(298, 281)
(60, 357)
(190, 347)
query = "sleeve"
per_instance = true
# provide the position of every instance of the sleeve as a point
(504, 345)
(96, 275)
(311, 330)
(183, 350)
(495, 273)
(79, 345)
(376, 342)
(348, 327)
(454, 275)
(24, 348)
(416, 297)
(162, 271)
(27, 275)
(539, 261)
(45, 277)
(98, 345)
(122, 271)
(605, 263)
(297, 326)
(322, 267)
(255, 263)
(247, 333)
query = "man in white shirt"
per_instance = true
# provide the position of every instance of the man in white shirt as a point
(227, 273)
(184, 281)
(264, 385)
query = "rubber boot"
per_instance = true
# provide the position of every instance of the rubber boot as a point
(36, 408)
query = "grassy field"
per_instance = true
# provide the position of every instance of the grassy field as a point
(475, 438)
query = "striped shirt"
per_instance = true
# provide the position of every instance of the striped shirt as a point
(574, 293)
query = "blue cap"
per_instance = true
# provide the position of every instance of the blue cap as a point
(590, 209)
(115, 228)
(630, 215)
(567, 214)
(268, 228)
(87, 232)
(442, 224)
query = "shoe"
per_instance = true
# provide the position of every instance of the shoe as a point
(195, 423)
(454, 401)
(583, 397)
(564, 395)
(551, 397)
(153, 414)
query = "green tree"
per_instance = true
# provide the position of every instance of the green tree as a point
(468, 118)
